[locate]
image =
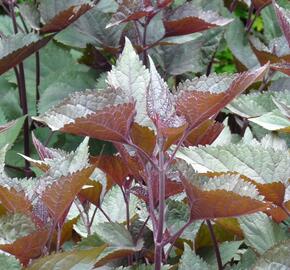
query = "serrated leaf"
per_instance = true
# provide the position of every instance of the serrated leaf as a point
(187, 19)
(78, 259)
(160, 105)
(132, 77)
(254, 161)
(210, 94)
(114, 234)
(283, 16)
(14, 49)
(275, 258)
(14, 226)
(261, 232)
(226, 196)
(10, 131)
(91, 29)
(190, 260)
(14, 201)
(177, 214)
(60, 195)
(105, 115)
(129, 10)
(9, 262)
(27, 247)
(57, 15)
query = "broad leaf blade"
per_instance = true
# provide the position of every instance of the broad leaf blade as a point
(60, 14)
(187, 19)
(61, 194)
(203, 98)
(261, 232)
(16, 48)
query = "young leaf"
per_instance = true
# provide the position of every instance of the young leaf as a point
(105, 115)
(27, 247)
(210, 94)
(187, 19)
(261, 232)
(129, 10)
(283, 16)
(16, 48)
(60, 195)
(57, 15)
(190, 260)
(131, 76)
(160, 105)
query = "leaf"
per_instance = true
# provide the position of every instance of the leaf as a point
(129, 10)
(210, 94)
(91, 29)
(254, 161)
(187, 19)
(105, 115)
(27, 247)
(144, 137)
(282, 67)
(9, 262)
(177, 214)
(228, 251)
(190, 260)
(117, 214)
(31, 14)
(132, 77)
(113, 166)
(14, 226)
(275, 258)
(119, 239)
(283, 16)
(160, 106)
(60, 195)
(10, 131)
(238, 43)
(14, 49)
(261, 232)
(77, 259)
(14, 201)
(224, 196)
(58, 15)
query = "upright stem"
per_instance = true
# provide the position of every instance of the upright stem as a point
(215, 245)
(159, 236)
(22, 97)
(37, 64)
(145, 56)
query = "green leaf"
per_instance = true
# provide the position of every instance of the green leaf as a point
(14, 226)
(114, 234)
(9, 132)
(260, 232)
(238, 43)
(117, 214)
(190, 260)
(132, 77)
(247, 261)
(228, 251)
(275, 258)
(254, 161)
(16, 48)
(78, 260)
(9, 262)
(91, 29)
(177, 214)
(271, 25)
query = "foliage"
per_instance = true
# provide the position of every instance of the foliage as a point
(124, 145)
